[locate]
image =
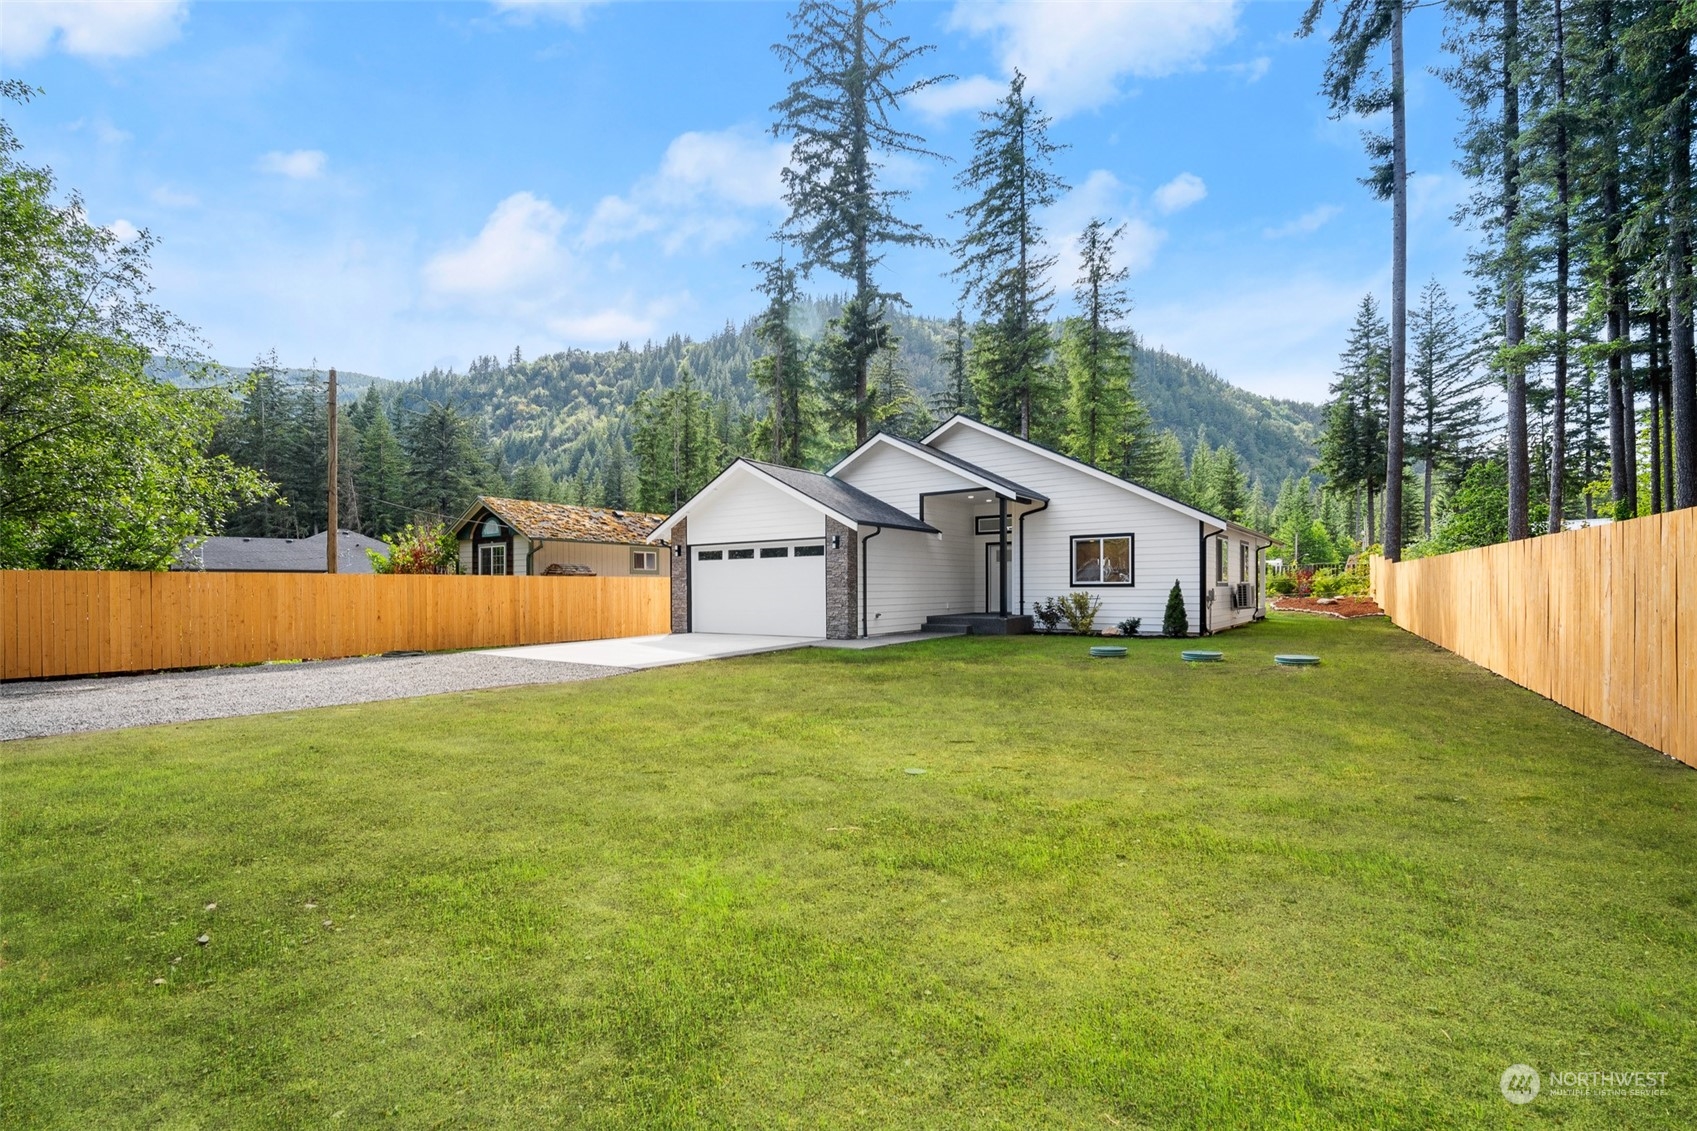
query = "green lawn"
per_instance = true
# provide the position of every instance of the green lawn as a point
(1122, 894)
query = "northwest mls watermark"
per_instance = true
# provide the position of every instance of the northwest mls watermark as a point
(1521, 1084)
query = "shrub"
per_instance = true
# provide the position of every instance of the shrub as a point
(1080, 609)
(1129, 626)
(1048, 614)
(1326, 583)
(430, 548)
(1281, 585)
(1175, 622)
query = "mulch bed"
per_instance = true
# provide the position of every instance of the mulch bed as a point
(1341, 607)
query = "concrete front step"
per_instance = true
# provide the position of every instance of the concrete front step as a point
(979, 624)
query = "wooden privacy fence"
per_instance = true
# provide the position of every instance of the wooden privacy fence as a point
(1602, 620)
(56, 623)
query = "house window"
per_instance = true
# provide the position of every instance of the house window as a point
(740, 555)
(1221, 558)
(1102, 559)
(709, 555)
(492, 560)
(986, 523)
(774, 551)
(645, 561)
(1243, 562)
(810, 551)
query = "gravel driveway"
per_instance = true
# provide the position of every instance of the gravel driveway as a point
(34, 709)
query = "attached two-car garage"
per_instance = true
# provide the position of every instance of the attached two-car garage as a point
(764, 589)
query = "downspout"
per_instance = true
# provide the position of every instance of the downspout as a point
(1202, 578)
(1022, 518)
(876, 530)
(1002, 528)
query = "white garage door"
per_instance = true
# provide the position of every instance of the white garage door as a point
(768, 589)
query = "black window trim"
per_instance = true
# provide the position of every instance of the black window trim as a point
(710, 555)
(978, 521)
(774, 552)
(740, 554)
(1131, 555)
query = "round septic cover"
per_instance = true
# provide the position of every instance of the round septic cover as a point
(1107, 651)
(1203, 657)
(1297, 661)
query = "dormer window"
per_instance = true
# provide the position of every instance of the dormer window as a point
(491, 527)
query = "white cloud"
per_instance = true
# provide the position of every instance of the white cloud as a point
(610, 325)
(167, 197)
(570, 12)
(299, 164)
(89, 30)
(518, 251)
(701, 194)
(975, 93)
(1304, 225)
(1075, 53)
(1252, 71)
(1102, 196)
(1180, 193)
(124, 230)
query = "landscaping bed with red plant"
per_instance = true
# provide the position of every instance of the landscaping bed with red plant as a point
(1333, 606)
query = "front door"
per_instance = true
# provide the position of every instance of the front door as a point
(993, 576)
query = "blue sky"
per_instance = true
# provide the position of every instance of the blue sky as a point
(387, 187)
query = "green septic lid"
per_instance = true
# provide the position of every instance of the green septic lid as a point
(1107, 651)
(1297, 661)
(1199, 657)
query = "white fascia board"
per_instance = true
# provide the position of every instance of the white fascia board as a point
(1219, 524)
(928, 457)
(724, 477)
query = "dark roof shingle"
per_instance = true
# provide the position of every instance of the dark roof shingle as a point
(847, 500)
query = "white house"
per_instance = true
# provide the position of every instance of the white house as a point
(970, 526)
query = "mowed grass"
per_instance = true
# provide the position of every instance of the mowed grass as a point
(1122, 894)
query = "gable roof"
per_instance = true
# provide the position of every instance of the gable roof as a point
(833, 498)
(998, 484)
(565, 522)
(280, 555)
(1077, 465)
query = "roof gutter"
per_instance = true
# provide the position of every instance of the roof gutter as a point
(1202, 580)
(876, 530)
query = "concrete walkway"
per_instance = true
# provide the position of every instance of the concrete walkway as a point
(653, 651)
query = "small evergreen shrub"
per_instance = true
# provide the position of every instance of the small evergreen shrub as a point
(1175, 622)
(1079, 609)
(1128, 627)
(1048, 614)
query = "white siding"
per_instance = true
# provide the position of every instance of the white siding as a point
(465, 555)
(899, 477)
(520, 566)
(1167, 546)
(747, 509)
(911, 575)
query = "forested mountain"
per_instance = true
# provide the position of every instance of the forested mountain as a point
(562, 409)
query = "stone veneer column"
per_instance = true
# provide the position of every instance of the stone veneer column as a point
(842, 581)
(680, 576)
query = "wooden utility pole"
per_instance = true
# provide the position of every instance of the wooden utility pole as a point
(330, 534)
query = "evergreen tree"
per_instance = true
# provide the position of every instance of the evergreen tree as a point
(1227, 489)
(1096, 351)
(846, 90)
(956, 395)
(1352, 447)
(1175, 621)
(1446, 393)
(895, 407)
(446, 468)
(615, 491)
(1364, 26)
(259, 435)
(1160, 466)
(676, 444)
(1002, 262)
(382, 479)
(782, 373)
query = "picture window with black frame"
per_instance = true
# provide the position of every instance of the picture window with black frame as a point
(1103, 559)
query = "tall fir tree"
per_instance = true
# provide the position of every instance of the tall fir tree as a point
(956, 395)
(781, 374)
(1003, 263)
(1352, 446)
(1096, 350)
(1446, 403)
(839, 116)
(676, 443)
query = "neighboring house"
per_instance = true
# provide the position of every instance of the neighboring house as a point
(281, 555)
(972, 525)
(523, 538)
